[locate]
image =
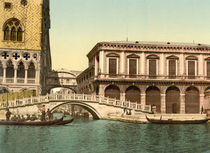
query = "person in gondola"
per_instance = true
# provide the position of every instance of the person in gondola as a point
(8, 114)
(43, 113)
(49, 114)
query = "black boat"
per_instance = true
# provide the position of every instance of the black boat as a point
(63, 122)
(175, 121)
(31, 123)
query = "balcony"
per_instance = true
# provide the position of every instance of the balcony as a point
(153, 77)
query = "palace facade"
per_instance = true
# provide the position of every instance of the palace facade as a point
(24, 45)
(175, 77)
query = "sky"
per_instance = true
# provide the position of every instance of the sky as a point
(78, 25)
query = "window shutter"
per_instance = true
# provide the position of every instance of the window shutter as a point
(172, 67)
(191, 69)
(208, 69)
(152, 67)
(112, 66)
(132, 66)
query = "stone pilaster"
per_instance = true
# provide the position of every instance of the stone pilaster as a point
(15, 74)
(101, 62)
(122, 63)
(163, 103)
(182, 103)
(201, 102)
(142, 64)
(143, 98)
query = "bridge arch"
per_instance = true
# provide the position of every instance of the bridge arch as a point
(89, 108)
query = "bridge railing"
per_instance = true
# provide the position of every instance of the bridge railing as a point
(77, 97)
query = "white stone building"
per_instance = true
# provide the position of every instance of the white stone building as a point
(175, 77)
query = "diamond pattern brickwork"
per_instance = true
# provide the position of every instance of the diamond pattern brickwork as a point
(30, 17)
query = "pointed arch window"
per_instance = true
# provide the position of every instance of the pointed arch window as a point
(21, 70)
(10, 69)
(13, 31)
(31, 70)
(19, 34)
(1, 69)
(13, 34)
(6, 33)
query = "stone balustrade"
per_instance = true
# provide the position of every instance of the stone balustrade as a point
(83, 98)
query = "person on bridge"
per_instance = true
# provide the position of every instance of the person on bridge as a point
(8, 114)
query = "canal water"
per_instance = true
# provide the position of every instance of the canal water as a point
(103, 136)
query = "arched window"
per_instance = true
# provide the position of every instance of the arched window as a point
(10, 69)
(21, 70)
(112, 91)
(13, 34)
(13, 30)
(19, 34)
(6, 33)
(1, 69)
(31, 70)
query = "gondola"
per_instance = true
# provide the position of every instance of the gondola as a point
(31, 123)
(63, 122)
(175, 121)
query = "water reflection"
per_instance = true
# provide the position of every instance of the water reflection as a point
(98, 136)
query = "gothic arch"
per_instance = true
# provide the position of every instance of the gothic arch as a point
(1, 69)
(21, 70)
(112, 91)
(10, 69)
(31, 70)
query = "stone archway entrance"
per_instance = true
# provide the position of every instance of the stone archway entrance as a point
(192, 100)
(153, 97)
(172, 100)
(112, 91)
(133, 94)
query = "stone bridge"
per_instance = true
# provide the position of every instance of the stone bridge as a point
(99, 106)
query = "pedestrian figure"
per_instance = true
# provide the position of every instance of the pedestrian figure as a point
(43, 113)
(8, 114)
(49, 114)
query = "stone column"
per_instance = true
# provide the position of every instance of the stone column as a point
(122, 63)
(15, 74)
(101, 62)
(143, 98)
(26, 75)
(37, 76)
(182, 103)
(4, 74)
(201, 102)
(122, 96)
(163, 103)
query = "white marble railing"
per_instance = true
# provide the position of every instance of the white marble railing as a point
(78, 98)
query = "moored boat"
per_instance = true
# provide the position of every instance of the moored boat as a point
(31, 123)
(175, 121)
(64, 122)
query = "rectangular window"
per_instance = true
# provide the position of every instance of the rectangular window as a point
(172, 68)
(132, 66)
(112, 66)
(191, 69)
(208, 70)
(152, 67)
